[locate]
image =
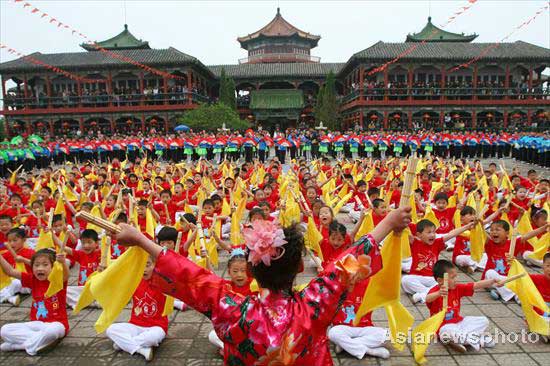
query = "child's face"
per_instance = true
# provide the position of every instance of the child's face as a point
(428, 235)
(466, 219)
(188, 185)
(546, 268)
(498, 234)
(237, 272)
(441, 204)
(110, 202)
(41, 267)
(217, 204)
(208, 209)
(168, 244)
(58, 227)
(229, 183)
(266, 210)
(268, 190)
(165, 198)
(148, 271)
(15, 202)
(447, 186)
(452, 279)
(197, 178)
(26, 190)
(89, 245)
(141, 210)
(16, 242)
(311, 194)
(381, 210)
(336, 240)
(325, 215)
(522, 193)
(540, 220)
(362, 188)
(178, 189)
(259, 195)
(316, 209)
(5, 225)
(146, 186)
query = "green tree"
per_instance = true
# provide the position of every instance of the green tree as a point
(2, 128)
(327, 108)
(227, 90)
(213, 116)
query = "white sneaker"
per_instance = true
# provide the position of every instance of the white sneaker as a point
(7, 347)
(146, 352)
(15, 300)
(380, 352)
(417, 298)
(487, 342)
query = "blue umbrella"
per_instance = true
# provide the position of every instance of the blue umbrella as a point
(181, 128)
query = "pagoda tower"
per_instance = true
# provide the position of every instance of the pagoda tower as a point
(431, 33)
(279, 42)
(122, 41)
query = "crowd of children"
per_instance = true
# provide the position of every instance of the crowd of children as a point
(186, 215)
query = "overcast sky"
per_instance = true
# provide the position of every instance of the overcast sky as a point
(208, 29)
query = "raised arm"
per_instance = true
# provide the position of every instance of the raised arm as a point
(456, 232)
(9, 270)
(536, 232)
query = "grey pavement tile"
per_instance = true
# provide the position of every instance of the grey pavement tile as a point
(541, 358)
(474, 360)
(352, 361)
(496, 310)
(183, 330)
(20, 358)
(516, 359)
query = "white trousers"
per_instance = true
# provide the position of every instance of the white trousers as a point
(534, 262)
(406, 264)
(214, 339)
(12, 289)
(355, 215)
(467, 261)
(30, 336)
(503, 291)
(131, 337)
(357, 341)
(73, 293)
(415, 284)
(467, 332)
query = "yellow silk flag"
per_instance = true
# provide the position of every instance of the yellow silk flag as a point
(96, 212)
(124, 275)
(150, 223)
(541, 248)
(5, 280)
(226, 210)
(423, 334)
(291, 214)
(506, 183)
(430, 215)
(168, 306)
(366, 226)
(342, 193)
(86, 297)
(524, 226)
(399, 321)
(60, 206)
(452, 202)
(69, 194)
(477, 241)
(530, 298)
(342, 202)
(56, 280)
(436, 186)
(313, 237)
(45, 241)
(236, 218)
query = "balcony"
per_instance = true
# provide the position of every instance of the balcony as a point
(279, 57)
(18, 105)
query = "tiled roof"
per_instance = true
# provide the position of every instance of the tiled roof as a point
(75, 60)
(122, 41)
(431, 33)
(455, 51)
(306, 69)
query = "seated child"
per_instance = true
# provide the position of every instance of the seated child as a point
(48, 315)
(22, 261)
(456, 330)
(363, 339)
(425, 251)
(542, 282)
(147, 327)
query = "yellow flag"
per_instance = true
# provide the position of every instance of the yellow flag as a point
(86, 297)
(541, 248)
(124, 275)
(342, 193)
(399, 321)
(313, 237)
(96, 213)
(168, 306)
(60, 206)
(477, 241)
(507, 183)
(524, 226)
(342, 202)
(291, 213)
(150, 223)
(226, 210)
(430, 215)
(530, 298)
(456, 218)
(45, 240)
(423, 334)
(236, 218)
(56, 280)
(366, 226)
(436, 186)
(212, 250)
(69, 194)
(5, 280)
(452, 202)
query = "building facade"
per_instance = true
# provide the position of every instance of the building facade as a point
(434, 83)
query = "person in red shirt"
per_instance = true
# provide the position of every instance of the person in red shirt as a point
(147, 327)
(48, 314)
(6, 223)
(359, 201)
(379, 210)
(542, 283)
(338, 241)
(425, 251)
(21, 262)
(456, 330)
(88, 260)
(38, 220)
(16, 210)
(361, 339)
(146, 191)
(518, 205)
(166, 209)
(445, 215)
(46, 197)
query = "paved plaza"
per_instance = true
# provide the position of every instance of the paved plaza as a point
(187, 343)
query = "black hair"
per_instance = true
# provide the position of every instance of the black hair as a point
(216, 197)
(143, 203)
(89, 234)
(6, 217)
(441, 267)
(423, 225)
(546, 257)
(544, 180)
(190, 218)
(167, 233)
(336, 227)
(126, 191)
(20, 233)
(256, 211)
(57, 217)
(48, 189)
(15, 195)
(377, 202)
(503, 224)
(281, 273)
(234, 258)
(467, 210)
(372, 191)
(535, 211)
(441, 196)
(38, 202)
(361, 183)
(87, 204)
(46, 252)
(531, 171)
(122, 217)
(166, 191)
(207, 201)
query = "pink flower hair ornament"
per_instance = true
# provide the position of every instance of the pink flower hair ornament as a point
(265, 242)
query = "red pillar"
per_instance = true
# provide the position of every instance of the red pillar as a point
(385, 120)
(141, 87)
(529, 117)
(142, 123)
(110, 89)
(79, 91)
(361, 119)
(165, 89)
(474, 82)
(81, 124)
(386, 78)
(189, 87)
(361, 86)
(529, 82)
(507, 81)
(441, 118)
(51, 127)
(113, 127)
(505, 115)
(410, 117)
(443, 81)
(25, 92)
(410, 76)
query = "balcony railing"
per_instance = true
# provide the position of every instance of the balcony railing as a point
(15, 103)
(462, 93)
(280, 57)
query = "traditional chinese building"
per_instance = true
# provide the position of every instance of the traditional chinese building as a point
(434, 83)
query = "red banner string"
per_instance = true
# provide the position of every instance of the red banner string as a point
(451, 19)
(55, 69)
(493, 46)
(117, 56)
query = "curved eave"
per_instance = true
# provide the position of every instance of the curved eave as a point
(468, 38)
(142, 46)
(246, 41)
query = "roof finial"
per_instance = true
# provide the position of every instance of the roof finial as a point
(125, 26)
(429, 19)
(278, 11)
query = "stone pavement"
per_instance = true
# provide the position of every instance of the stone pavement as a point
(187, 343)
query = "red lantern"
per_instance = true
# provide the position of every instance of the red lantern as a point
(516, 115)
(374, 116)
(16, 125)
(426, 116)
(456, 115)
(489, 115)
(93, 123)
(541, 115)
(397, 116)
(39, 125)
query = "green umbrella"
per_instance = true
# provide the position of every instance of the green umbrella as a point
(35, 138)
(16, 140)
